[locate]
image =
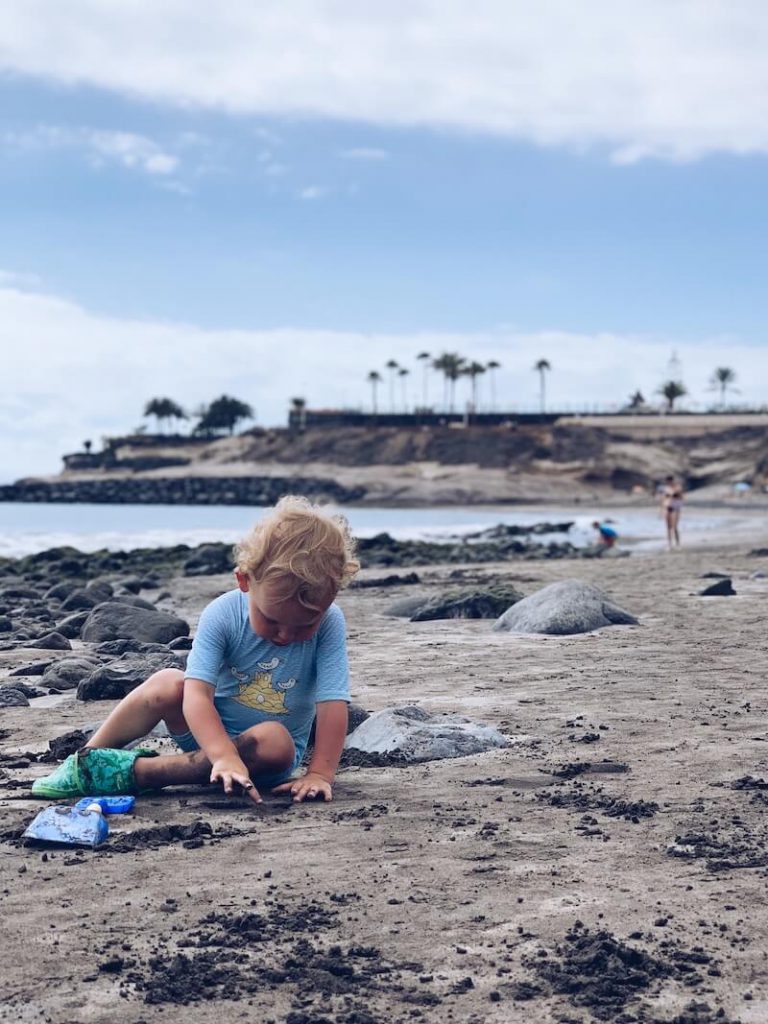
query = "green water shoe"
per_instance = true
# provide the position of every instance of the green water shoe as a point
(92, 771)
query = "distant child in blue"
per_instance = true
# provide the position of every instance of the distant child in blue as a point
(606, 535)
(268, 658)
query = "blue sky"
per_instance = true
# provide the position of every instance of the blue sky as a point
(281, 204)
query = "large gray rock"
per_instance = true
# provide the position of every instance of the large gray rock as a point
(477, 603)
(570, 606)
(416, 735)
(66, 673)
(115, 621)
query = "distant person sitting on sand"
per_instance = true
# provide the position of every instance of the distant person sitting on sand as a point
(671, 506)
(268, 657)
(607, 535)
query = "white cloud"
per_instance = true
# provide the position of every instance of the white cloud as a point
(129, 150)
(12, 279)
(313, 192)
(673, 80)
(365, 153)
(69, 374)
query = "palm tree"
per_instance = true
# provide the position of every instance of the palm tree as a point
(492, 367)
(392, 365)
(542, 367)
(402, 374)
(164, 409)
(722, 380)
(450, 364)
(224, 413)
(473, 371)
(375, 379)
(671, 390)
(424, 358)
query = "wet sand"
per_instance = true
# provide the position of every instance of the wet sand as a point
(610, 865)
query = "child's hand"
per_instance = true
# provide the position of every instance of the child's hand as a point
(229, 770)
(310, 786)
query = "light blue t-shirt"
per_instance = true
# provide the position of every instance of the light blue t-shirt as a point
(258, 681)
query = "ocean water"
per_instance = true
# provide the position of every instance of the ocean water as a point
(29, 528)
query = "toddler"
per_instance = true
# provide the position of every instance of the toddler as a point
(269, 658)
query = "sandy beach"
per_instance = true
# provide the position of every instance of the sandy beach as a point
(606, 866)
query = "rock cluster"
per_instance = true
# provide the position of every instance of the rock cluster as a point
(499, 543)
(59, 596)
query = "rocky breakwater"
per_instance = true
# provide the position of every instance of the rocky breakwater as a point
(182, 490)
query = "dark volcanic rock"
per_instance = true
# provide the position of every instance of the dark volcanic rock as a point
(181, 643)
(80, 600)
(60, 591)
(71, 625)
(114, 621)
(723, 588)
(66, 673)
(209, 559)
(386, 581)
(35, 668)
(18, 592)
(50, 642)
(102, 589)
(570, 606)
(117, 648)
(12, 697)
(487, 603)
(131, 584)
(6, 625)
(115, 680)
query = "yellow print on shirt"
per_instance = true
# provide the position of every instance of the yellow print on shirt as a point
(260, 693)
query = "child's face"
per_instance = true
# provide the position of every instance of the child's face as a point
(277, 619)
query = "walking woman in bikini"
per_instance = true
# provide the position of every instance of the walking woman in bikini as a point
(671, 504)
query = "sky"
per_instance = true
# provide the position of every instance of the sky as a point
(272, 200)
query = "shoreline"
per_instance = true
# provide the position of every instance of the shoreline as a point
(29, 529)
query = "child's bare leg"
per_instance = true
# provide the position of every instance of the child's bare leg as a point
(266, 749)
(157, 699)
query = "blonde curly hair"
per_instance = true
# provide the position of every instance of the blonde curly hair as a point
(297, 545)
